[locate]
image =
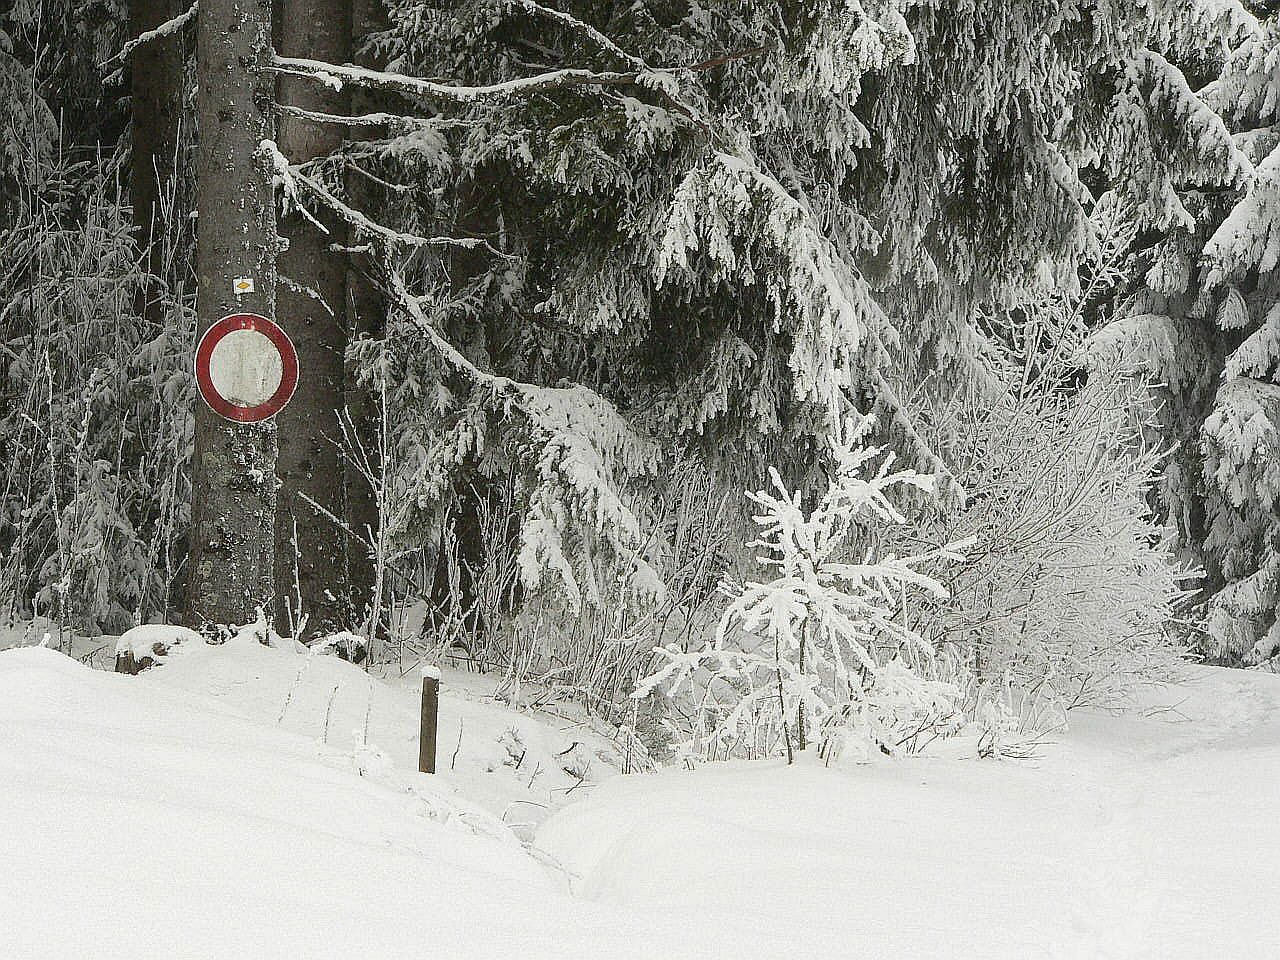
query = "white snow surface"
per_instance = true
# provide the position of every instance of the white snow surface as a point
(245, 801)
(1146, 835)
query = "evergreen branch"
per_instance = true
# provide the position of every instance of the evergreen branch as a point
(499, 384)
(374, 119)
(656, 80)
(727, 58)
(462, 95)
(166, 29)
(584, 28)
(394, 237)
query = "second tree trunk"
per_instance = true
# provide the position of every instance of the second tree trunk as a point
(314, 554)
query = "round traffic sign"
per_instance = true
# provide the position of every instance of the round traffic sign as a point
(246, 367)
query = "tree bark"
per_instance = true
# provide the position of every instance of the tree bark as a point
(156, 98)
(366, 317)
(312, 553)
(233, 468)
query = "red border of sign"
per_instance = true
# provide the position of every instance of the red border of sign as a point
(288, 359)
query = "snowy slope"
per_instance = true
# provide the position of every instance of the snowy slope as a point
(513, 763)
(139, 820)
(178, 814)
(1148, 835)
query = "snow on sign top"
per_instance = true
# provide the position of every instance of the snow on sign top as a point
(246, 368)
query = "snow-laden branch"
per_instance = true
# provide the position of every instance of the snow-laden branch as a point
(395, 237)
(292, 176)
(375, 119)
(329, 73)
(285, 179)
(581, 27)
(498, 384)
(166, 29)
(663, 81)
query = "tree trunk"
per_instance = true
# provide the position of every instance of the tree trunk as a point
(311, 550)
(159, 167)
(366, 317)
(233, 469)
(156, 96)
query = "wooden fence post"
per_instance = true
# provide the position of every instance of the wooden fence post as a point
(430, 711)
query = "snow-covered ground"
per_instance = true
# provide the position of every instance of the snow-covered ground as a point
(250, 802)
(1131, 837)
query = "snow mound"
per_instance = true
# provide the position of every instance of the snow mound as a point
(518, 765)
(153, 640)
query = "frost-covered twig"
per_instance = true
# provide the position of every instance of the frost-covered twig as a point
(361, 540)
(306, 291)
(285, 178)
(384, 184)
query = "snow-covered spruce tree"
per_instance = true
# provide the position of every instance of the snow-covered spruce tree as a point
(93, 427)
(820, 651)
(607, 230)
(1205, 323)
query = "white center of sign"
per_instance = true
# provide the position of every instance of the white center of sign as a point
(245, 368)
